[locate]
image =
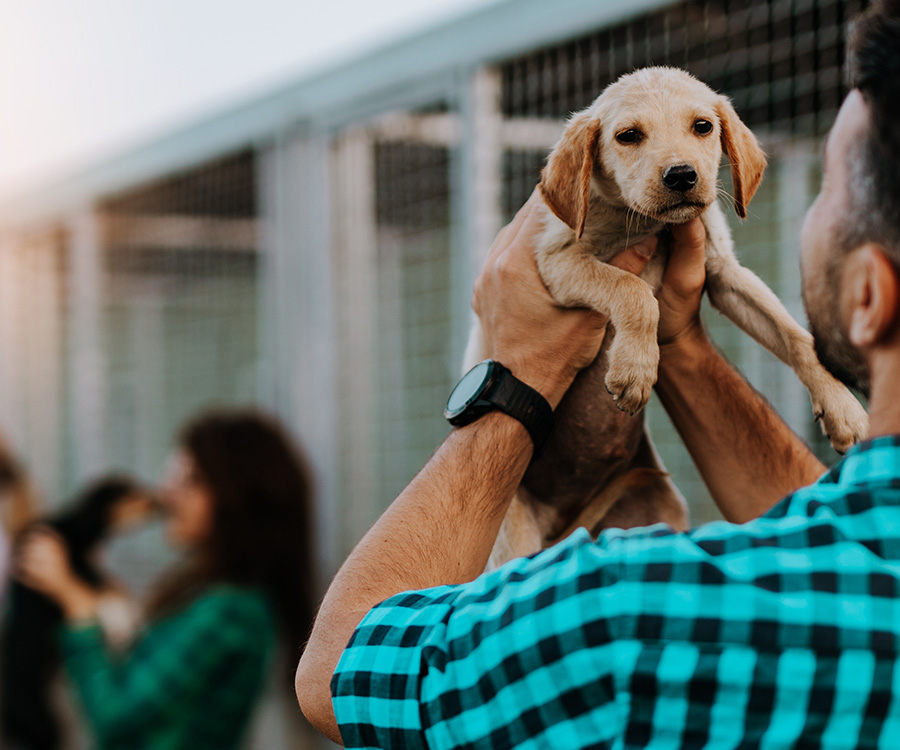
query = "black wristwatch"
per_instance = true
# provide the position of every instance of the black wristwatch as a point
(488, 386)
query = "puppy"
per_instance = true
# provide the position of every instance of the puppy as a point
(645, 154)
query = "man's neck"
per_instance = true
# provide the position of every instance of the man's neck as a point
(884, 404)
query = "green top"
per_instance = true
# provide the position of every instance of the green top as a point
(190, 681)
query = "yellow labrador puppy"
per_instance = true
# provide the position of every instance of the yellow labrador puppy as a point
(646, 153)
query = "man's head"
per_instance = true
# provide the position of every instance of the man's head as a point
(851, 236)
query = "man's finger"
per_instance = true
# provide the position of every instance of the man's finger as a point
(688, 246)
(635, 258)
(508, 234)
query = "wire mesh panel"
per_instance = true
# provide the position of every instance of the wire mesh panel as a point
(780, 61)
(33, 290)
(179, 274)
(414, 264)
(117, 330)
(392, 202)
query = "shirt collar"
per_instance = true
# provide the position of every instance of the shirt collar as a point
(874, 461)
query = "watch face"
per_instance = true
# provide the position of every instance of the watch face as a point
(468, 389)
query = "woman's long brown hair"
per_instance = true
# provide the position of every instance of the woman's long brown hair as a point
(261, 532)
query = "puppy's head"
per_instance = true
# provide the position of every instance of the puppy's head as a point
(651, 142)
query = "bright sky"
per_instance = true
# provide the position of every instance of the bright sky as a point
(84, 79)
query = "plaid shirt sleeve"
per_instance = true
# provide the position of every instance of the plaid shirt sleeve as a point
(173, 661)
(487, 664)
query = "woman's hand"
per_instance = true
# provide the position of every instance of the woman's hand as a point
(42, 563)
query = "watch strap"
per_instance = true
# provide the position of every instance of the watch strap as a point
(519, 400)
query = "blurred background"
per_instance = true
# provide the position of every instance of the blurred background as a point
(206, 203)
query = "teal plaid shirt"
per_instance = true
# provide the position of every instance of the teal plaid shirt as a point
(779, 633)
(189, 682)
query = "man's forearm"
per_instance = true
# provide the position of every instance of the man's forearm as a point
(746, 454)
(440, 530)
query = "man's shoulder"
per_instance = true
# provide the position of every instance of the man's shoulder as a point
(633, 582)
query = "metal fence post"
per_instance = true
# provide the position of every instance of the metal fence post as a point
(41, 347)
(484, 162)
(9, 359)
(299, 356)
(355, 249)
(86, 337)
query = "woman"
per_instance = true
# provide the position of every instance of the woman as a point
(237, 503)
(29, 656)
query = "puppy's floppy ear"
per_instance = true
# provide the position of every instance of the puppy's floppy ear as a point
(566, 180)
(748, 161)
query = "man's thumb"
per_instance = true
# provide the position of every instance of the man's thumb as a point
(635, 258)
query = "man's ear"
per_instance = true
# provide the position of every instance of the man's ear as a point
(871, 296)
(566, 180)
(748, 161)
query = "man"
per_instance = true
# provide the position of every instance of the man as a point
(783, 631)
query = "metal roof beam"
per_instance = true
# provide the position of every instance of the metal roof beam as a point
(372, 82)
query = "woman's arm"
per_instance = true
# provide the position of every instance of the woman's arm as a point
(127, 694)
(746, 454)
(218, 636)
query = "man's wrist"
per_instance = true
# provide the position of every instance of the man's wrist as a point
(550, 379)
(685, 353)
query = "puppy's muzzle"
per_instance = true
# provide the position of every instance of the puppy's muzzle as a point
(680, 178)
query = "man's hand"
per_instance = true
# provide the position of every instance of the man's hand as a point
(544, 344)
(682, 290)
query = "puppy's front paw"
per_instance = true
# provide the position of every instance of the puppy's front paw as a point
(630, 378)
(843, 420)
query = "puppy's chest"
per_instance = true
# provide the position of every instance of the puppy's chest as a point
(608, 231)
(605, 241)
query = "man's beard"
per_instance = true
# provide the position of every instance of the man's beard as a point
(837, 355)
(830, 340)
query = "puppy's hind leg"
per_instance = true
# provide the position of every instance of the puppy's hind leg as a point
(519, 535)
(643, 494)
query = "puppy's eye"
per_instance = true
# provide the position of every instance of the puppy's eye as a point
(702, 127)
(632, 135)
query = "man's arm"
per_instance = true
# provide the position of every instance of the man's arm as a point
(746, 454)
(441, 529)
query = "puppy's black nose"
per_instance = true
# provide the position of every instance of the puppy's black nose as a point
(681, 178)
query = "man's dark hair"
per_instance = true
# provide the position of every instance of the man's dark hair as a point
(873, 66)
